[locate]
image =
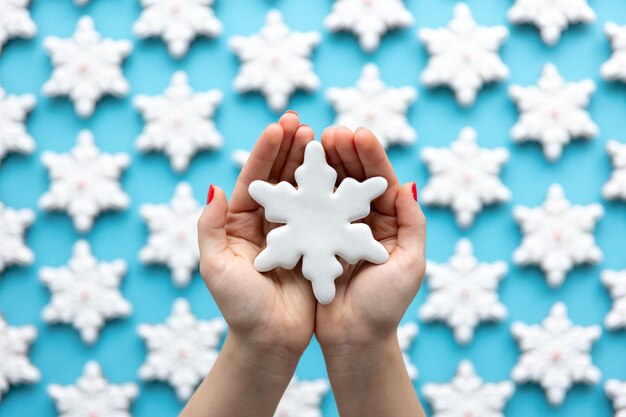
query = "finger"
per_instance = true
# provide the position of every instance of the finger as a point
(411, 227)
(212, 237)
(258, 167)
(303, 136)
(290, 122)
(328, 141)
(344, 142)
(376, 164)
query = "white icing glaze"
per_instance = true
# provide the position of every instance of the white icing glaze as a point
(15, 21)
(13, 113)
(615, 188)
(406, 334)
(615, 282)
(13, 225)
(15, 367)
(303, 398)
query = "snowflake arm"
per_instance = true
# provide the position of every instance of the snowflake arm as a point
(240, 157)
(15, 367)
(13, 113)
(13, 225)
(303, 398)
(615, 282)
(615, 188)
(15, 21)
(616, 391)
(615, 68)
(406, 334)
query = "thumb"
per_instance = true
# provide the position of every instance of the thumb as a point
(411, 226)
(212, 237)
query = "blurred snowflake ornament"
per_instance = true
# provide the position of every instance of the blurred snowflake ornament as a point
(240, 157)
(303, 399)
(465, 177)
(276, 61)
(406, 334)
(557, 236)
(615, 68)
(13, 113)
(182, 350)
(93, 396)
(616, 391)
(374, 105)
(467, 395)
(86, 67)
(615, 281)
(85, 182)
(555, 354)
(15, 21)
(179, 122)
(464, 55)
(85, 293)
(615, 188)
(368, 19)
(553, 112)
(13, 225)
(178, 22)
(81, 2)
(15, 367)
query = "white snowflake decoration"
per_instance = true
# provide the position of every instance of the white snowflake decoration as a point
(464, 292)
(13, 113)
(276, 61)
(15, 21)
(81, 2)
(464, 56)
(406, 334)
(616, 391)
(374, 105)
(551, 16)
(93, 396)
(553, 112)
(615, 68)
(302, 399)
(15, 367)
(555, 354)
(85, 182)
(13, 225)
(557, 236)
(615, 188)
(465, 177)
(467, 395)
(85, 293)
(615, 281)
(368, 19)
(86, 67)
(178, 22)
(182, 350)
(240, 157)
(318, 222)
(179, 122)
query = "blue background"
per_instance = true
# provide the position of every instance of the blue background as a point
(584, 167)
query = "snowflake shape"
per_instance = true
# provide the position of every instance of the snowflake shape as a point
(616, 283)
(406, 334)
(85, 182)
(13, 225)
(302, 398)
(616, 391)
(86, 67)
(551, 16)
(615, 68)
(318, 222)
(93, 395)
(465, 177)
(85, 293)
(374, 105)
(464, 56)
(15, 21)
(368, 19)
(557, 236)
(178, 22)
(182, 350)
(173, 239)
(179, 122)
(240, 157)
(556, 354)
(464, 292)
(15, 367)
(467, 395)
(276, 61)
(13, 134)
(615, 188)
(553, 112)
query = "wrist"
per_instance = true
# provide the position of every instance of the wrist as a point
(363, 357)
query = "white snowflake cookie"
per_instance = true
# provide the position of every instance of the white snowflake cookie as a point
(13, 113)
(368, 19)
(93, 395)
(467, 395)
(557, 236)
(615, 281)
(374, 105)
(553, 112)
(616, 391)
(464, 292)
(276, 61)
(615, 68)
(15, 367)
(182, 350)
(555, 354)
(173, 239)
(551, 17)
(13, 225)
(178, 22)
(465, 177)
(240, 157)
(86, 67)
(318, 222)
(406, 334)
(85, 293)
(15, 21)
(179, 122)
(464, 55)
(615, 188)
(303, 398)
(85, 182)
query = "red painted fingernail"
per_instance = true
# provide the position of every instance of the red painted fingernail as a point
(414, 189)
(292, 111)
(210, 195)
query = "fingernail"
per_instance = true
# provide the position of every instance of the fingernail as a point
(414, 189)
(210, 195)
(304, 125)
(292, 111)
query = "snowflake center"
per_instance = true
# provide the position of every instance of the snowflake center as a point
(558, 235)
(181, 236)
(468, 413)
(94, 413)
(371, 116)
(368, 2)
(468, 177)
(276, 61)
(176, 8)
(85, 296)
(81, 184)
(465, 293)
(556, 356)
(179, 121)
(84, 68)
(182, 353)
(555, 113)
(467, 56)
